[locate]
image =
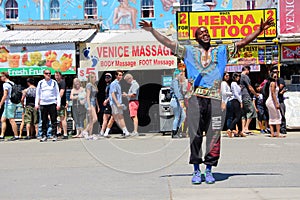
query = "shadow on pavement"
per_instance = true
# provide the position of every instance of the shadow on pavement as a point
(225, 176)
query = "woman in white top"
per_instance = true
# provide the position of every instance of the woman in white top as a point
(272, 104)
(226, 97)
(237, 105)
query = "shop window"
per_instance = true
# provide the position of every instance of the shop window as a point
(185, 5)
(250, 4)
(11, 10)
(90, 9)
(54, 9)
(147, 9)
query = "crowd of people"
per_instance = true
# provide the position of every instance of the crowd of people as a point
(243, 103)
(45, 107)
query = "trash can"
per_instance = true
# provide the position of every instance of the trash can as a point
(166, 115)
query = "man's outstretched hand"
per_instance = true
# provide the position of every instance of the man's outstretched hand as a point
(264, 25)
(145, 25)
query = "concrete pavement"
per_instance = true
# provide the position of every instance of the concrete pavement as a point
(150, 167)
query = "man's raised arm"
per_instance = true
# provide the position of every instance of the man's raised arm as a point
(162, 39)
(264, 25)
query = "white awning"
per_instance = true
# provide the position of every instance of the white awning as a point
(20, 37)
(132, 36)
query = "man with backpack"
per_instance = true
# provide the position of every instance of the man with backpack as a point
(9, 107)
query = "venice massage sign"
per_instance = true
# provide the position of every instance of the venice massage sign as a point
(143, 55)
(225, 24)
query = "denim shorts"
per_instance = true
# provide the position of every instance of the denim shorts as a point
(9, 111)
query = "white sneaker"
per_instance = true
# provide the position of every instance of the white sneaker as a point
(54, 139)
(85, 134)
(94, 137)
(126, 134)
(133, 134)
(101, 133)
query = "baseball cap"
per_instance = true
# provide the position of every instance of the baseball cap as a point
(108, 74)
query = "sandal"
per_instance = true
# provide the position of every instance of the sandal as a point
(281, 136)
(229, 133)
(242, 134)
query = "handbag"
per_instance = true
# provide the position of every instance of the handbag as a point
(173, 102)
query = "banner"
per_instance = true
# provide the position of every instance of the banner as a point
(31, 60)
(238, 68)
(256, 54)
(290, 52)
(289, 16)
(126, 56)
(225, 24)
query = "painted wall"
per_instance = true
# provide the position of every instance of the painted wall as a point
(108, 10)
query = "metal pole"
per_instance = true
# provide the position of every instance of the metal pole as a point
(42, 9)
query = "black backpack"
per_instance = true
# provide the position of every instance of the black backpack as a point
(16, 93)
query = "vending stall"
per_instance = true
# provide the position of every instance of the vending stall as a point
(27, 53)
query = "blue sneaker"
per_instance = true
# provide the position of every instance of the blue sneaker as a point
(196, 177)
(209, 179)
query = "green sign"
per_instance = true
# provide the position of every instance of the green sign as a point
(32, 71)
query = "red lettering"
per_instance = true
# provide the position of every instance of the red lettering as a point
(81, 73)
(233, 31)
(142, 51)
(226, 19)
(214, 20)
(249, 19)
(159, 51)
(126, 53)
(193, 30)
(246, 30)
(237, 19)
(215, 30)
(120, 51)
(135, 51)
(153, 50)
(202, 20)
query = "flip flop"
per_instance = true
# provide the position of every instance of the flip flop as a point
(281, 136)
(229, 133)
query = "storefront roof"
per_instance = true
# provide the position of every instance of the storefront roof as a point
(132, 36)
(19, 37)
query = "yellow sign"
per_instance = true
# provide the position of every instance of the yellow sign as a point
(225, 24)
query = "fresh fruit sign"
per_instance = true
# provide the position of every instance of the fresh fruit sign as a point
(224, 24)
(33, 60)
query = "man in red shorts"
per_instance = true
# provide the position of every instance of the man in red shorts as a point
(133, 96)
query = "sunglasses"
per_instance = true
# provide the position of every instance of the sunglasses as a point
(107, 77)
(47, 73)
(275, 77)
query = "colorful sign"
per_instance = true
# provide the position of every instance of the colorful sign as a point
(290, 52)
(126, 56)
(83, 73)
(31, 60)
(238, 68)
(256, 54)
(225, 24)
(289, 16)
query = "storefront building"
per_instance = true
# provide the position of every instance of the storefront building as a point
(289, 39)
(27, 53)
(136, 52)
